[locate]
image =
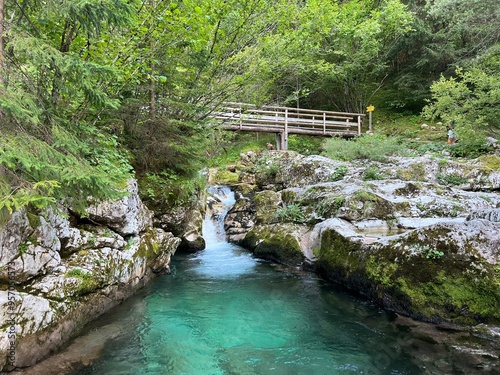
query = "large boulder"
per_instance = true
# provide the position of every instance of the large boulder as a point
(443, 272)
(127, 216)
(280, 242)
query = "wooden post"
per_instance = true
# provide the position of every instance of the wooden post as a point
(359, 125)
(278, 141)
(284, 139)
(324, 123)
(370, 109)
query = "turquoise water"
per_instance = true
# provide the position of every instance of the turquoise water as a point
(221, 311)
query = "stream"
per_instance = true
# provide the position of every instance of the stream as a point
(223, 311)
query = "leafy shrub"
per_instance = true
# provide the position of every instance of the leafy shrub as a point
(291, 213)
(168, 189)
(267, 168)
(372, 173)
(339, 173)
(330, 206)
(450, 179)
(304, 145)
(432, 147)
(370, 147)
(470, 149)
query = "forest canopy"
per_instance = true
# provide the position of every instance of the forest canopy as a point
(93, 91)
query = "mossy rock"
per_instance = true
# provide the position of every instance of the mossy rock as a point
(278, 242)
(365, 204)
(431, 277)
(438, 277)
(267, 204)
(226, 177)
(338, 256)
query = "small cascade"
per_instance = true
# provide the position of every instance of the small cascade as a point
(219, 202)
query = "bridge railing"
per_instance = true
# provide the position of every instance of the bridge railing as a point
(288, 120)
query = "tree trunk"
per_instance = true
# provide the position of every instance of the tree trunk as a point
(2, 55)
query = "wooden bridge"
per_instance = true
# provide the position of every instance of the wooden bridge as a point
(283, 121)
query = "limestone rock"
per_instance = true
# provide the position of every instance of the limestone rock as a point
(12, 233)
(63, 271)
(280, 242)
(267, 204)
(239, 220)
(491, 215)
(127, 216)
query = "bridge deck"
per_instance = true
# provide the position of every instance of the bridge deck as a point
(285, 120)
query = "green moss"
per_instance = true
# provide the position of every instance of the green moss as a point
(490, 163)
(149, 248)
(267, 204)
(223, 176)
(338, 254)
(87, 283)
(373, 206)
(277, 242)
(434, 280)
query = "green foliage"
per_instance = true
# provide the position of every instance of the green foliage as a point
(304, 145)
(329, 206)
(167, 189)
(450, 179)
(470, 100)
(372, 173)
(470, 149)
(267, 168)
(427, 251)
(342, 39)
(339, 173)
(36, 173)
(290, 213)
(227, 146)
(371, 147)
(433, 147)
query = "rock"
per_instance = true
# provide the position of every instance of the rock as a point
(185, 222)
(54, 295)
(267, 204)
(192, 238)
(127, 216)
(491, 215)
(440, 266)
(447, 271)
(239, 220)
(279, 242)
(12, 233)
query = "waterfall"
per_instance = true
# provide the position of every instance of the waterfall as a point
(221, 259)
(219, 202)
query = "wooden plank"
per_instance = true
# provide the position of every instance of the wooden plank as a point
(291, 122)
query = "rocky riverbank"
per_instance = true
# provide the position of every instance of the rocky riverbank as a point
(59, 271)
(420, 236)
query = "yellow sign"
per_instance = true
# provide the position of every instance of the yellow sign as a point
(370, 108)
